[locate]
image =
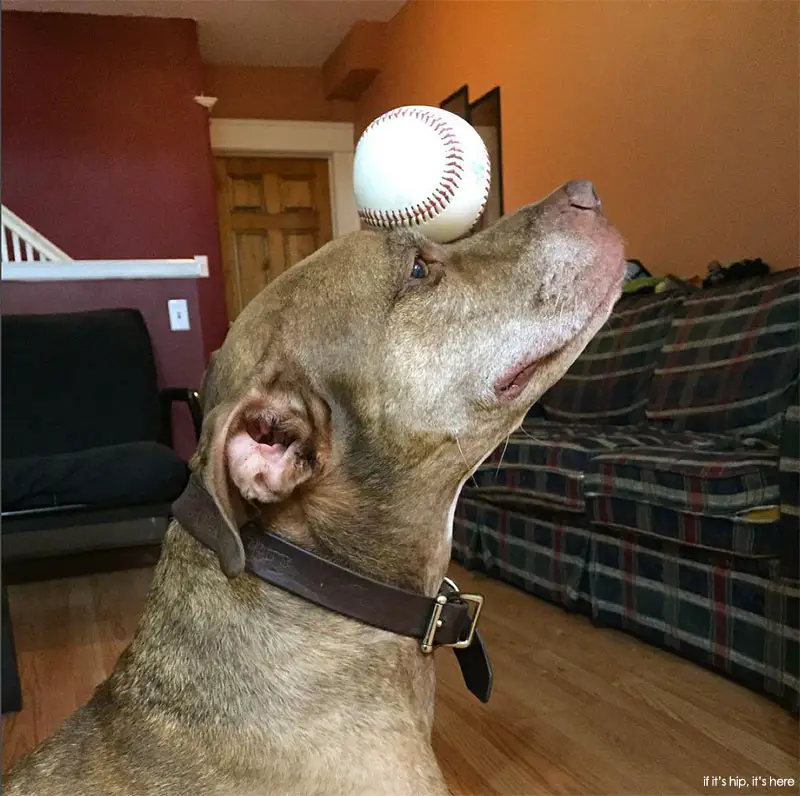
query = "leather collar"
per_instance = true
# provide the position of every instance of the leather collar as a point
(449, 619)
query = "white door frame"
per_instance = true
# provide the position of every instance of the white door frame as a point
(332, 141)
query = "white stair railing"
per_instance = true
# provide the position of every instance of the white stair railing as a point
(27, 256)
(24, 243)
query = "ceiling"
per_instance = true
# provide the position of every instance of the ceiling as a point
(257, 32)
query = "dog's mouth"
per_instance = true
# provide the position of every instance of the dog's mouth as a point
(513, 383)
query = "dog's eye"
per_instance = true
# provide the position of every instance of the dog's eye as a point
(420, 269)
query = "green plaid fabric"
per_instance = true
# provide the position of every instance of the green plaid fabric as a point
(552, 465)
(789, 475)
(718, 477)
(790, 463)
(730, 358)
(733, 614)
(609, 382)
(742, 621)
(686, 531)
(544, 556)
(732, 534)
(544, 464)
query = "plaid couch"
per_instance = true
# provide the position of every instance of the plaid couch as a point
(656, 487)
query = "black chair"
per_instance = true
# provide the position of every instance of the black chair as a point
(87, 449)
(87, 459)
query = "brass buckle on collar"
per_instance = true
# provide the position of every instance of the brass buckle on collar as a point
(428, 643)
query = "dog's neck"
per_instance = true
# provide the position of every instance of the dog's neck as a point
(263, 676)
(251, 667)
(212, 619)
(400, 535)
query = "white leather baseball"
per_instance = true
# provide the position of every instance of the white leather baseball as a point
(423, 168)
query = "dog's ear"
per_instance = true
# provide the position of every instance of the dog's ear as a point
(262, 448)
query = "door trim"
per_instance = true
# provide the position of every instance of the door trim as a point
(332, 141)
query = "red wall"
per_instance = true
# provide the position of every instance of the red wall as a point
(105, 153)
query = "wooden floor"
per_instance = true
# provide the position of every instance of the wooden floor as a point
(575, 710)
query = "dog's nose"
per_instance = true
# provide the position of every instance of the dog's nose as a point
(582, 194)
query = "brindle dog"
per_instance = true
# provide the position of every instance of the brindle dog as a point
(348, 405)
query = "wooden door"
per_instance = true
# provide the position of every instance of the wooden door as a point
(273, 212)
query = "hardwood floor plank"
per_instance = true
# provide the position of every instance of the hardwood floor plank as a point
(576, 709)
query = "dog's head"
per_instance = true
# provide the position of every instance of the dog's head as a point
(357, 392)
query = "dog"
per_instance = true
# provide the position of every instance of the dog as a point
(348, 405)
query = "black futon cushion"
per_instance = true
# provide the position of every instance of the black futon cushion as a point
(134, 473)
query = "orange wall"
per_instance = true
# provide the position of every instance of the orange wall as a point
(685, 114)
(268, 92)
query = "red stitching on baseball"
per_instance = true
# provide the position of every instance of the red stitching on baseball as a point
(453, 173)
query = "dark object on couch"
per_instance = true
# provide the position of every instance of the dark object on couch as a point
(656, 487)
(743, 269)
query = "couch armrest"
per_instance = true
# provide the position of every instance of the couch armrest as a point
(168, 396)
(789, 479)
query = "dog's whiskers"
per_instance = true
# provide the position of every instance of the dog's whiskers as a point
(526, 433)
(465, 461)
(499, 464)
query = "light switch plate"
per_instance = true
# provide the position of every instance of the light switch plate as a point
(178, 315)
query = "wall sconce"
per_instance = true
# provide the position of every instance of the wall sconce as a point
(207, 102)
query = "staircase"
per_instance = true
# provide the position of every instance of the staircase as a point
(28, 256)
(25, 244)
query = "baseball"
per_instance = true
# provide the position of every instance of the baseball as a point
(423, 168)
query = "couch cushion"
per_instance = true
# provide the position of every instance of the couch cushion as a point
(77, 380)
(757, 535)
(700, 473)
(789, 474)
(609, 382)
(119, 475)
(544, 464)
(552, 465)
(721, 495)
(730, 359)
(789, 465)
